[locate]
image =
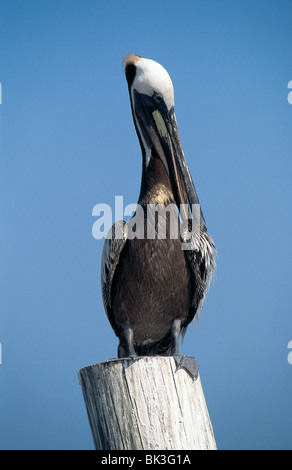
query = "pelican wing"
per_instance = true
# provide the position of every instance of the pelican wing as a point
(200, 252)
(113, 246)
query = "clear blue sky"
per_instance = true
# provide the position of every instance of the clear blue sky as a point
(68, 143)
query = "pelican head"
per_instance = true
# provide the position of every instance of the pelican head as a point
(152, 102)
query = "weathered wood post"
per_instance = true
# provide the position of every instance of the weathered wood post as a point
(147, 403)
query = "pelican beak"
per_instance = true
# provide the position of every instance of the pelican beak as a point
(159, 129)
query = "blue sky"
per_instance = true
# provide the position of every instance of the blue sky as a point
(68, 143)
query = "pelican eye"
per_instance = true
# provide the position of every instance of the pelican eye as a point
(158, 98)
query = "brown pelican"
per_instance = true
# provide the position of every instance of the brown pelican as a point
(152, 288)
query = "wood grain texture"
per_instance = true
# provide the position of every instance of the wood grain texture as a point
(146, 403)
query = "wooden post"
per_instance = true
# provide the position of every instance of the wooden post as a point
(147, 403)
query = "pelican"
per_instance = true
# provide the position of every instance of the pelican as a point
(152, 288)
